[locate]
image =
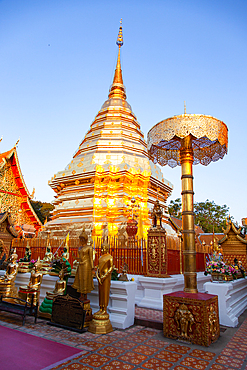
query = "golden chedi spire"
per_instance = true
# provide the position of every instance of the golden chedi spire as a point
(117, 89)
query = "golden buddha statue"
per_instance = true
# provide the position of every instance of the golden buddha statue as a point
(45, 309)
(83, 282)
(84, 278)
(60, 286)
(101, 323)
(33, 287)
(25, 261)
(7, 281)
(47, 260)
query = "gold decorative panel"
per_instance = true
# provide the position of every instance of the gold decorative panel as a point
(193, 317)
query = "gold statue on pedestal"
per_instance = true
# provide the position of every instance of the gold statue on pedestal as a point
(45, 309)
(7, 281)
(25, 261)
(84, 275)
(101, 323)
(33, 287)
(48, 257)
(47, 260)
(60, 286)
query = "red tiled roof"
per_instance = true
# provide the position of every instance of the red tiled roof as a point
(12, 157)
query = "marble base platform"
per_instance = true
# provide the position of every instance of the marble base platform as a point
(232, 298)
(150, 290)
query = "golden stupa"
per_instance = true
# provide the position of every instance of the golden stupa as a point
(110, 167)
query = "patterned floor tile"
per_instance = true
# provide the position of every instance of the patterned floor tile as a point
(233, 362)
(64, 364)
(105, 339)
(234, 353)
(93, 345)
(145, 350)
(156, 343)
(168, 356)
(205, 355)
(118, 365)
(132, 358)
(94, 360)
(148, 332)
(111, 351)
(88, 335)
(194, 363)
(178, 348)
(76, 366)
(136, 338)
(125, 344)
(238, 346)
(179, 367)
(155, 363)
(118, 334)
(218, 367)
(134, 329)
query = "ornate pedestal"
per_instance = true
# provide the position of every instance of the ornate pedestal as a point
(192, 317)
(157, 253)
(88, 309)
(8, 289)
(27, 295)
(100, 324)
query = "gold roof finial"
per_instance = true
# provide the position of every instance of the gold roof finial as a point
(117, 89)
(120, 35)
(184, 107)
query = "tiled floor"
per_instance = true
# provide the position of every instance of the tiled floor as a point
(139, 348)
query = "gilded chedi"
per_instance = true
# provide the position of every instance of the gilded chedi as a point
(110, 166)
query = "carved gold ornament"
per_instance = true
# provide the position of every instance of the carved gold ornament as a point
(184, 320)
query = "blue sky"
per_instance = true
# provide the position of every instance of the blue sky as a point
(57, 63)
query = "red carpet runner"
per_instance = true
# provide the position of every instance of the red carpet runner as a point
(20, 351)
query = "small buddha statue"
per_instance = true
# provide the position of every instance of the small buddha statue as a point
(45, 309)
(33, 287)
(123, 276)
(7, 281)
(60, 286)
(47, 260)
(25, 261)
(65, 253)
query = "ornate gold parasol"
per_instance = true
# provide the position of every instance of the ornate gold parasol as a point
(185, 140)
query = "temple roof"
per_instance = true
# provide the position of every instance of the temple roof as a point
(230, 227)
(12, 158)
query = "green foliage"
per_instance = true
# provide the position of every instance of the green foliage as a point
(208, 215)
(42, 210)
(175, 208)
(114, 275)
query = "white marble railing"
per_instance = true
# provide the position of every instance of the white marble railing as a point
(232, 298)
(150, 290)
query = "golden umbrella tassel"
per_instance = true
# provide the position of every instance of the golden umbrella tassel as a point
(185, 140)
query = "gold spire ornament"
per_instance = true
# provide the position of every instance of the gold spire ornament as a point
(117, 89)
